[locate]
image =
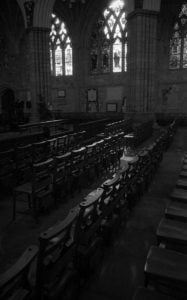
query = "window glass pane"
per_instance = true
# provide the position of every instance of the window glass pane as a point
(58, 61)
(185, 53)
(175, 50)
(60, 49)
(117, 56)
(68, 60)
(125, 57)
(94, 61)
(106, 58)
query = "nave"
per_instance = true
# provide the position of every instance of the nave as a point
(121, 270)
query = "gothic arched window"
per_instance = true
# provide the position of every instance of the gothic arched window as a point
(60, 48)
(109, 40)
(178, 42)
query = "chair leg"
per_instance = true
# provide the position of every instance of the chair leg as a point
(14, 207)
(34, 207)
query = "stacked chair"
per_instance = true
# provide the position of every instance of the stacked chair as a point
(166, 265)
(70, 250)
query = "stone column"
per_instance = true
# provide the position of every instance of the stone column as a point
(142, 57)
(39, 68)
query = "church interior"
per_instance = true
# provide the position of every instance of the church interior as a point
(93, 149)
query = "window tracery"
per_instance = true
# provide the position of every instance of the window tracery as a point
(60, 49)
(108, 41)
(178, 42)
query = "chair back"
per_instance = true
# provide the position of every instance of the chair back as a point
(62, 143)
(23, 160)
(18, 282)
(43, 178)
(40, 151)
(89, 218)
(56, 252)
(7, 166)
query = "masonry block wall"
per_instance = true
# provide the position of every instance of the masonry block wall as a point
(172, 88)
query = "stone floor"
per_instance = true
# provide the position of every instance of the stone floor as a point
(121, 270)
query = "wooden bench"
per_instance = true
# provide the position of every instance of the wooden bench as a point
(167, 270)
(173, 234)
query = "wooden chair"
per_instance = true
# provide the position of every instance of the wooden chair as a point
(78, 168)
(62, 144)
(110, 220)
(89, 242)
(99, 157)
(107, 153)
(62, 176)
(176, 211)
(147, 294)
(144, 169)
(56, 276)
(18, 282)
(40, 152)
(121, 208)
(7, 168)
(166, 270)
(90, 160)
(23, 162)
(133, 191)
(72, 141)
(39, 191)
(52, 147)
(173, 234)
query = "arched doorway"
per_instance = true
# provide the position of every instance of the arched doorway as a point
(8, 108)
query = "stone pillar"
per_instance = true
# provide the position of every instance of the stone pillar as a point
(39, 68)
(142, 57)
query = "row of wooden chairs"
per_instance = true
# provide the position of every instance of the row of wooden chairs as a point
(59, 176)
(166, 264)
(71, 249)
(118, 126)
(15, 161)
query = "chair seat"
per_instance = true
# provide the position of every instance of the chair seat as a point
(183, 174)
(146, 294)
(24, 188)
(167, 264)
(179, 195)
(182, 183)
(172, 231)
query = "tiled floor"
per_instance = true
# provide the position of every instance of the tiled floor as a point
(121, 270)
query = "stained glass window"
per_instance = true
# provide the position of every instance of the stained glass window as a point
(178, 42)
(108, 42)
(60, 49)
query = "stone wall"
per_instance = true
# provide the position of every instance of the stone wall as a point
(172, 84)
